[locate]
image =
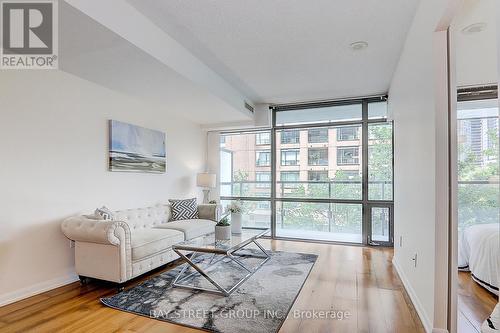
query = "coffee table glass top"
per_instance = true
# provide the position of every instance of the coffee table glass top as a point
(207, 243)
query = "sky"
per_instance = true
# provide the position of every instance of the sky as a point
(135, 139)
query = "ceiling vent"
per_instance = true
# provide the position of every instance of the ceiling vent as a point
(249, 107)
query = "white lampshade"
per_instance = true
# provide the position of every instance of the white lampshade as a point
(205, 179)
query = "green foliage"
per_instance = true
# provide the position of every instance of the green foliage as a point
(224, 222)
(380, 162)
(240, 185)
(240, 176)
(478, 202)
(235, 207)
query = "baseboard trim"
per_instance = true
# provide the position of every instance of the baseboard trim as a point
(414, 298)
(36, 289)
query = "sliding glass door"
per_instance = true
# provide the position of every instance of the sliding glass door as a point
(323, 172)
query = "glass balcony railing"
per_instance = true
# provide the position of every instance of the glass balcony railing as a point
(478, 202)
(333, 189)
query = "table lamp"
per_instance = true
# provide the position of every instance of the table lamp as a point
(207, 181)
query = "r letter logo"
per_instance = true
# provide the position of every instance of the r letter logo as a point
(29, 35)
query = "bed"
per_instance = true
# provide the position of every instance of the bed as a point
(479, 253)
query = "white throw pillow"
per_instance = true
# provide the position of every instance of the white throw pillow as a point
(104, 213)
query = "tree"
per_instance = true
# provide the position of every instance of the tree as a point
(478, 202)
(240, 185)
(380, 162)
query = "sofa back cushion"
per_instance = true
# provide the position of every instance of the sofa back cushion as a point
(141, 218)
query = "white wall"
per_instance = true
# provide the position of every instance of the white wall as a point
(476, 53)
(413, 104)
(53, 163)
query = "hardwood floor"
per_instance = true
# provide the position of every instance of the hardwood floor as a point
(475, 304)
(355, 279)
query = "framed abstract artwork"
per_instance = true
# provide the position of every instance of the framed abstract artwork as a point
(136, 149)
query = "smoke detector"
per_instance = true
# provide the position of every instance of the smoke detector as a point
(358, 46)
(474, 28)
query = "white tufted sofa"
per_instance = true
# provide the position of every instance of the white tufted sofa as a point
(135, 242)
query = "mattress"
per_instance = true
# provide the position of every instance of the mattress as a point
(479, 253)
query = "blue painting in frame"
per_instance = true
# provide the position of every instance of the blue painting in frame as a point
(136, 149)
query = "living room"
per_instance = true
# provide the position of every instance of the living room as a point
(249, 167)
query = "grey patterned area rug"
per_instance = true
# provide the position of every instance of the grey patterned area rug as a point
(260, 304)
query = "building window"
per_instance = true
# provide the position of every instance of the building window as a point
(317, 156)
(348, 133)
(263, 138)
(222, 140)
(289, 179)
(290, 156)
(317, 176)
(263, 179)
(292, 136)
(263, 158)
(347, 155)
(317, 135)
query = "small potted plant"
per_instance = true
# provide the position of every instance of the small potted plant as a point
(223, 229)
(235, 209)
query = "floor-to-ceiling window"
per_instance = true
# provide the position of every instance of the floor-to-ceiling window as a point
(245, 175)
(323, 172)
(478, 168)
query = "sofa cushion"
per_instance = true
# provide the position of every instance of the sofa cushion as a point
(147, 242)
(103, 213)
(191, 228)
(184, 209)
(142, 218)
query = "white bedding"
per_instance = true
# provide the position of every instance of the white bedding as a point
(479, 253)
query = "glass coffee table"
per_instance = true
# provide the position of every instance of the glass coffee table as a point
(219, 250)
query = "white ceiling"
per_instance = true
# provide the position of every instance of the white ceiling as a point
(290, 50)
(89, 50)
(476, 54)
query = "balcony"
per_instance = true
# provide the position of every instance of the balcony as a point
(478, 202)
(332, 189)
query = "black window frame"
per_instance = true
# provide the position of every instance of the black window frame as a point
(366, 203)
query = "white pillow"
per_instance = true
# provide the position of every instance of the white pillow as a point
(94, 217)
(104, 213)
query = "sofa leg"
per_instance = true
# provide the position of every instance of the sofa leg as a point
(83, 280)
(120, 287)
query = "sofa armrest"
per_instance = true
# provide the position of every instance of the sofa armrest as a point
(81, 229)
(207, 212)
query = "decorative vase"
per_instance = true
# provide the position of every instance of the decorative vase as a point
(222, 232)
(236, 223)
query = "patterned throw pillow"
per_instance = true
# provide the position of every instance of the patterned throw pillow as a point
(184, 209)
(104, 213)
